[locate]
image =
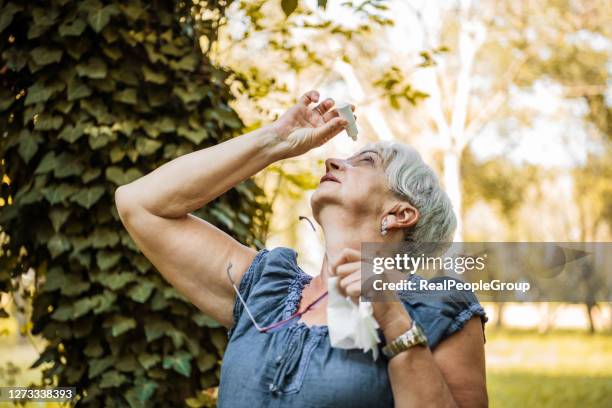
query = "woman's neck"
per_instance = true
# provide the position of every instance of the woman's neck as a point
(339, 237)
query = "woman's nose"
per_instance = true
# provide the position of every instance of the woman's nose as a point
(334, 164)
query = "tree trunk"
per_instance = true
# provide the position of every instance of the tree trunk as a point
(499, 312)
(452, 185)
(589, 312)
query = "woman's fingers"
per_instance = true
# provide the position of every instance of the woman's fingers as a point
(309, 97)
(329, 115)
(324, 106)
(333, 113)
(330, 129)
(347, 269)
(347, 255)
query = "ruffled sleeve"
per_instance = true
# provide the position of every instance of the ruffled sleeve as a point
(248, 281)
(445, 313)
(266, 288)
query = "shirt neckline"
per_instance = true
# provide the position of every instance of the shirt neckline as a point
(294, 296)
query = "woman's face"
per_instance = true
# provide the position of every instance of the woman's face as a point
(356, 186)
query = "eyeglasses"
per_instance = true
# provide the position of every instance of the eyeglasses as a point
(280, 325)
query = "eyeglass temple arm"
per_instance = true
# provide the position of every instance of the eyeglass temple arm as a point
(301, 217)
(241, 299)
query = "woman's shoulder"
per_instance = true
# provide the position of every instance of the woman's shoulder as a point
(279, 261)
(440, 308)
(271, 270)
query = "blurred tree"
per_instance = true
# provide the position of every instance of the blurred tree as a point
(94, 94)
(505, 186)
(593, 197)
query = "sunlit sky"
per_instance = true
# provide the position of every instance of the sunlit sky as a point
(557, 136)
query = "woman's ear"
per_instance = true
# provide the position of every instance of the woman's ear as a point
(402, 215)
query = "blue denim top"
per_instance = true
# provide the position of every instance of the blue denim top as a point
(297, 367)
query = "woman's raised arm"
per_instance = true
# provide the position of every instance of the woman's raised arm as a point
(189, 252)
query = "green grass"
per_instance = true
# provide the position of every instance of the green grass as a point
(557, 369)
(524, 368)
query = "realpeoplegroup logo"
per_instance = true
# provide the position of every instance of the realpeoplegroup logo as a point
(495, 271)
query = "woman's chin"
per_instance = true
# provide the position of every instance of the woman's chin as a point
(323, 196)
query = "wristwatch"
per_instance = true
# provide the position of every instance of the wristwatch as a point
(413, 337)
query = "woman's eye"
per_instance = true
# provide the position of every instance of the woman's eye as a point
(368, 158)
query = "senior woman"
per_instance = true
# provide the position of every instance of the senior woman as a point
(384, 193)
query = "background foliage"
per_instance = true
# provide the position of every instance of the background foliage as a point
(93, 95)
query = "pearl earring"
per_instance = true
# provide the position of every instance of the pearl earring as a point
(383, 228)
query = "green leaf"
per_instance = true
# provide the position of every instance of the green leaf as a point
(117, 154)
(77, 89)
(98, 366)
(72, 28)
(72, 133)
(58, 244)
(46, 121)
(196, 136)
(107, 259)
(15, 58)
(141, 291)
(106, 302)
(205, 321)
(99, 17)
(133, 10)
(90, 174)
(7, 13)
(152, 76)
(128, 364)
(112, 379)
(179, 362)
(289, 6)
(40, 92)
(58, 216)
(54, 279)
(156, 329)
(67, 165)
(63, 313)
(119, 177)
(128, 96)
(46, 164)
(87, 197)
(141, 393)
(83, 306)
(73, 285)
(206, 361)
(113, 53)
(44, 55)
(115, 281)
(187, 63)
(121, 324)
(93, 348)
(146, 146)
(148, 360)
(104, 237)
(219, 340)
(94, 68)
(58, 194)
(28, 144)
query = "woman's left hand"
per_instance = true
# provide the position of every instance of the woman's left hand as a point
(348, 270)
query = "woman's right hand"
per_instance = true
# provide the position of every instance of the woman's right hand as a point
(301, 128)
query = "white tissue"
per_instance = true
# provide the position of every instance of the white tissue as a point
(350, 325)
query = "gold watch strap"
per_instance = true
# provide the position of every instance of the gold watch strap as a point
(413, 337)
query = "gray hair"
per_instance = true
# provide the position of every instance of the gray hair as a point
(412, 180)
